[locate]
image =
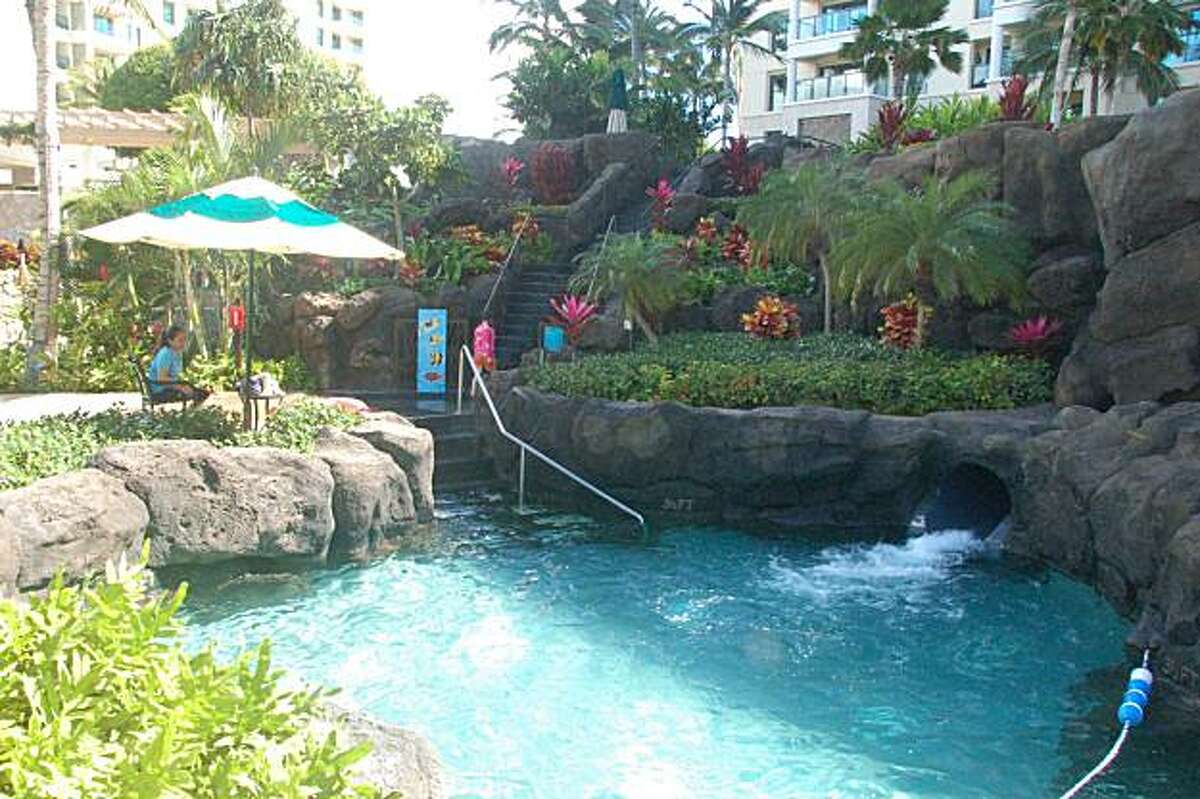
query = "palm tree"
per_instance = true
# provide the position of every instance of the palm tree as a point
(42, 24)
(804, 213)
(1108, 41)
(636, 26)
(534, 22)
(642, 273)
(724, 28)
(902, 38)
(944, 240)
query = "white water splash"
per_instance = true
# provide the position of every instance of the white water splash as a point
(880, 568)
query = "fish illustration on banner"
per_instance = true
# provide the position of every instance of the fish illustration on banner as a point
(432, 331)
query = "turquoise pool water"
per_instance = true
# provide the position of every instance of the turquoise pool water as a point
(551, 656)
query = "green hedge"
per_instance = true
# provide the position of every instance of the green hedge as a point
(735, 371)
(52, 445)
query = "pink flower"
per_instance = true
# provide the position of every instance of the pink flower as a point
(661, 192)
(511, 168)
(573, 313)
(1035, 332)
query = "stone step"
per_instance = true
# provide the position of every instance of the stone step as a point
(463, 472)
(448, 424)
(457, 446)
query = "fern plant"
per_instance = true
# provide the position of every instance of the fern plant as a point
(643, 273)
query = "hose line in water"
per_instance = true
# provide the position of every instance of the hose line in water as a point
(1131, 713)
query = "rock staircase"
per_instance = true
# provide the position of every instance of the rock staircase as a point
(460, 461)
(526, 306)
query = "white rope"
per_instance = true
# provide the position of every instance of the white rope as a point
(1103, 765)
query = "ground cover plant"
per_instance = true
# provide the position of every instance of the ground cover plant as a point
(732, 370)
(52, 445)
(98, 699)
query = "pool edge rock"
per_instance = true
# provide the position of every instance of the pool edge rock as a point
(401, 761)
(1111, 499)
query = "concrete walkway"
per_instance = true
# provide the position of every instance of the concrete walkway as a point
(24, 407)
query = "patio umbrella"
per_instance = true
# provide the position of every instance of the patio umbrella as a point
(250, 214)
(617, 104)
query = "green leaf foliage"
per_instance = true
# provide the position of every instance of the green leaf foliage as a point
(726, 370)
(145, 82)
(903, 41)
(98, 699)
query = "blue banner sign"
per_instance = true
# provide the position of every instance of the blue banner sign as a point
(432, 331)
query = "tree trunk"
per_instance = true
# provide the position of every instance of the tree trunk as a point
(1094, 100)
(1061, 68)
(926, 302)
(827, 280)
(42, 338)
(635, 40)
(194, 313)
(727, 105)
(899, 79)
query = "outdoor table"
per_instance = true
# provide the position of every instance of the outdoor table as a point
(260, 407)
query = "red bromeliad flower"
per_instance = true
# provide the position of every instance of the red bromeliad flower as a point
(663, 196)
(573, 313)
(511, 169)
(1036, 336)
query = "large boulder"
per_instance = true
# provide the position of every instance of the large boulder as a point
(1043, 179)
(71, 524)
(706, 176)
(317, 303)
(371, 497)
(1145, 183)
(411, 448)
(1141, 341)
(636, 148)
(401, 762)
(1067, 283)
(685, 210)
(209, 504)
(910, 167)
(358, 310)
(730, 303)
(980, 148)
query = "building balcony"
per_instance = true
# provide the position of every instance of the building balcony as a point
(843, 19)
(847, 84)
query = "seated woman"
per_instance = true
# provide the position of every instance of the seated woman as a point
(167, 368)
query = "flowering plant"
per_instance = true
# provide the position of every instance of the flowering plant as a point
(663, 196)
(737, 247)
(1036, 336)
(511, 169)
(905, 323)
(572, 313)
(706, 230)
(772, 318)
(744, 175)
(1013, 105)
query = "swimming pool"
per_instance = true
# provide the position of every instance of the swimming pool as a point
(547, 655)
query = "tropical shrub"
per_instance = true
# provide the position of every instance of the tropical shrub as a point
(99, 698)
(941, 241)
(295, 426)
(144, 82)
(1014, 106)
(905, 323)
(772, 318)
(744, 176)
(572, 313)
(950, 116)
(731, 370)
(662, 196)
(553, 174)
(643, 272)
(1037, 337)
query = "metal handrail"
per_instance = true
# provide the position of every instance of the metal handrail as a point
(465, 357)
(504, 267)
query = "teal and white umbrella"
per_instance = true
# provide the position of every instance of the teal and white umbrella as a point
(249, 215)
(618, 102)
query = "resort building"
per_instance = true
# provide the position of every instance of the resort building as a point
(807, 88)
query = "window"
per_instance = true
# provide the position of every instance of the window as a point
(1191, 43)
(102, 24)
(337, 13)
(356, 17)
(320, 8)
(356, 46)
(62, 56)
(335, 42)
(169, 13)
(776, 92)
(320, 37)
(779, 37)
(983, 9)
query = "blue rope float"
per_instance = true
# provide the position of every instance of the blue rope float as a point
(1131, 713)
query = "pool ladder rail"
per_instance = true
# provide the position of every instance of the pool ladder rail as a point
(464, 360)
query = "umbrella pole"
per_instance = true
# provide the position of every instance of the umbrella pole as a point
(247, 420)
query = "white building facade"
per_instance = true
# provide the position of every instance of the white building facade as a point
(807, 88)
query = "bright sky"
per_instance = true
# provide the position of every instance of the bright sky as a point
(414, 47)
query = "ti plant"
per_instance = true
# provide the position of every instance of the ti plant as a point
(572, 313)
